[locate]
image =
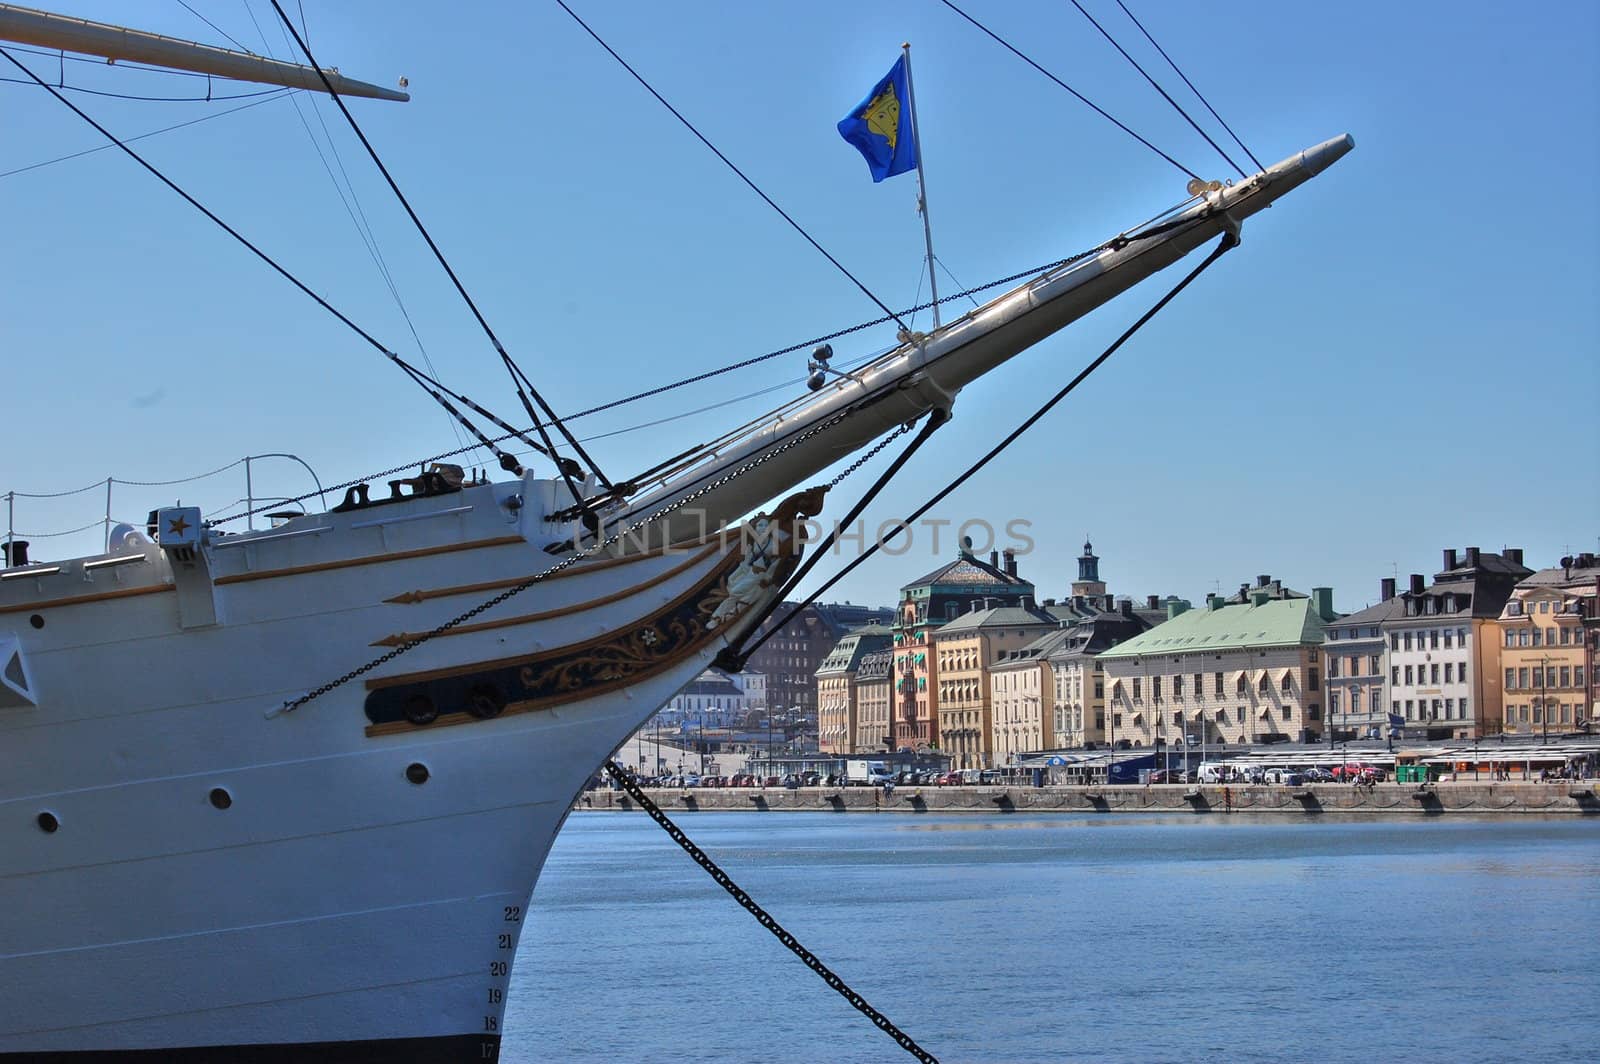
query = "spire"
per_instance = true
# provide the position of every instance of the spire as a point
(1088, 564)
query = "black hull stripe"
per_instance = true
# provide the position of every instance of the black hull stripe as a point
(455, 1049)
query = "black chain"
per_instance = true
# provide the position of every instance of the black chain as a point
(764, 918)
(293, 704)
(870, 455)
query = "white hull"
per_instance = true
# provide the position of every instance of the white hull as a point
(333, 899)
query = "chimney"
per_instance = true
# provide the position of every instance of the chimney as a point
(1386, 588)
(1322, 601)
(1514, 555)
(16, 552)
(1472, 556)
(1244, 592)
(1126, 607)
(1215, 602)
(1417, 583)
(1585, 560)
(1449, 558)
(1111, 605)
(1152, 602)
(1263, 580)
(1049, 602)
(1011, 562)
(1259, 598)
(994, 559)
(1175, 606)
(1027, 602)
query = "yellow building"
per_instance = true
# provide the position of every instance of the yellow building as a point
(1544, 657)
(964, 652)
(837, 707)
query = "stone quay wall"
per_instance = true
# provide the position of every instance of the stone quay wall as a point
(1398, 799)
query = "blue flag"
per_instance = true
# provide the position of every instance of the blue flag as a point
(880, 125)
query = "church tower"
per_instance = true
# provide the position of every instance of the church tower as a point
(1088, 583)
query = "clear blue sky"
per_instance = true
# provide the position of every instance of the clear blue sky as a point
(1402, 357)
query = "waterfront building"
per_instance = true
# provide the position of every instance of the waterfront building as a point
(713, 700)
(1355, 668)
(1022, 694)
(1077, 678)
(874, 696)
(926, 604)
(837, 705)
(1445, 647)
(965, 651)
(1546, 652)
(789, 660)
(1222, 673)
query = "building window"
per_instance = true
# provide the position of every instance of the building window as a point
(1239, 687)
(1285, 712)
(1394, 675)
(1433, 674)
(1408, 676)
(1377, 701)
(1219, 685)
(1449, 671)
(1433, 639)
(1394, 641)
(1288, 683)
(1577, 676)
(1177, 687)
(1511, 678)
(1511, 637)
(1447, 635)
(1333, 666)
(1333, 702)
(1238, 715)
(1312, 683)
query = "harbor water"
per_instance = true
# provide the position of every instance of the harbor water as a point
(1020, 938)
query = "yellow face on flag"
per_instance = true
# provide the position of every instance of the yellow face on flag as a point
(882, 115)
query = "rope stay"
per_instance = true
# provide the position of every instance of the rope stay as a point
(730, 165)
(1094, 106)
(1228, 243)
(1189, 83)
(203, 209)
(1157, 86)
(764, 918)
(526, 392)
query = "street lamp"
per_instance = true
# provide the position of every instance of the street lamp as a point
(1544, 685)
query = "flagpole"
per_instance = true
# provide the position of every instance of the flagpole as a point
(922, 187)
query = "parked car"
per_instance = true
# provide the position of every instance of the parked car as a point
(1317, 774)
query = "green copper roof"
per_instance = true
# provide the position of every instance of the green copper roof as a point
(1286, 622)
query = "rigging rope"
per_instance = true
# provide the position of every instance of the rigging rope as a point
(157, 99)
(165, 129)
(525, 388)
(1227, 244)
(764, 918)
(1156, 85)
(729, 163)
(262, 255)
(1189, 83)
(1096, 107)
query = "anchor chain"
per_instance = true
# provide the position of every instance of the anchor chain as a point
(764, 918)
